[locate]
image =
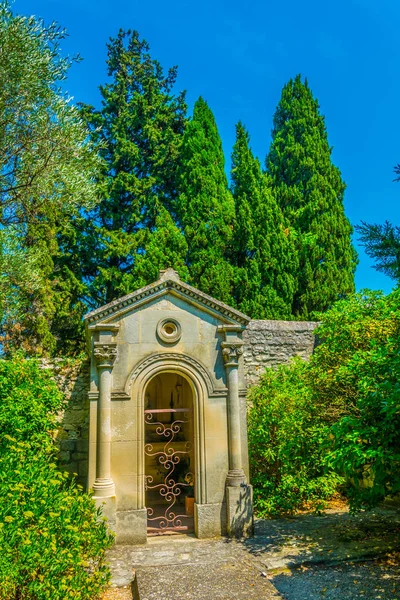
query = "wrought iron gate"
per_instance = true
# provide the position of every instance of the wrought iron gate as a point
(172, 483)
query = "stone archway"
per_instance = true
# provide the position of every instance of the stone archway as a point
(159, 365)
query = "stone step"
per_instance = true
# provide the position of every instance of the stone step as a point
(231, 580)
(184, 567)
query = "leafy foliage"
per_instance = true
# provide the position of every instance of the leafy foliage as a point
(358, 376)
(19, 269)
(52, 537)
(309, 189)
(338, 413)
(46, 170)
(205, 205)
(263, 249)
(286, 435)
(85, 219)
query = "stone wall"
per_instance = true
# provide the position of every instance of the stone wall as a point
(72, 378)
(271, 343)
(266, 344)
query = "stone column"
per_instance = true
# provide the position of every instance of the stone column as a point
(105, 355)
(239, 495)
(231, 351)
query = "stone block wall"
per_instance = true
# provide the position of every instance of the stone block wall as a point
(72, 378)
(266, 344)
(271, 343)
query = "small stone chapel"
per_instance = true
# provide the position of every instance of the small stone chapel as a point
(168, 434)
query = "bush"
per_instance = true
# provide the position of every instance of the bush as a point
(362, 351)
(335, 418)
(52, 538)
(286, 434)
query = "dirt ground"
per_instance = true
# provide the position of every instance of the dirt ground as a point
(335, 556)
(372, 580)
(122, 593)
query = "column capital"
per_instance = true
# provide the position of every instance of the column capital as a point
(105, 354)
(231, 352)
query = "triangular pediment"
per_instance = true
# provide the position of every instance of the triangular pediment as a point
(168, 283)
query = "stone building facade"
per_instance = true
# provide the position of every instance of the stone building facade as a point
(165, 389)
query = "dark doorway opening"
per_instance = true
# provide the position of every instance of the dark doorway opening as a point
(169, 455)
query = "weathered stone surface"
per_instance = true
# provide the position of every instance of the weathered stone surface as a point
(72, 378)
(131, 526)
(198, 373)
(185, 567)
(239, 505)
(270, 343)
(305, 557)
(107, 506)
(331, 538)
(229, 580)
(208, 345)
(208, 520)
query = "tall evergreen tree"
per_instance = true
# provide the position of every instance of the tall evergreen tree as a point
(206, 207)
(131, 233)
(263, 249)
(309, 189)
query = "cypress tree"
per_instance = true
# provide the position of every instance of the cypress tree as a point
(263, 249)
(206, 207)
(131, 233)
(309, 189)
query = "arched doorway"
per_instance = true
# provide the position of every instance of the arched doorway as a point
(169, 454)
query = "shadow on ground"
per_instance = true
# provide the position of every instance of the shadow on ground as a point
(327, 539)
(332, 556)
(349, 581)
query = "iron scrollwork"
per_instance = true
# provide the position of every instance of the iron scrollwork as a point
(169, 458)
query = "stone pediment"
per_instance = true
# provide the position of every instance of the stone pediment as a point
(168, 283)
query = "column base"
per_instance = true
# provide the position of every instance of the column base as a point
(103, 488)
(207, 519)
(131, 526)
(235, 478)
(239, 511)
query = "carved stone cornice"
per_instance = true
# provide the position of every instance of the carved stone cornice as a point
(231, 352)
(105, 354)
(169, 282)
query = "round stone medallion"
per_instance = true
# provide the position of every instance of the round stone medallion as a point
(169, 331)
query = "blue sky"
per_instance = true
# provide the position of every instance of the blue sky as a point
(238, 56)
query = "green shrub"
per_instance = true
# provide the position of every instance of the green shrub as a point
(29, 401)
(361, 355)
(335, 418)
(52, 538)
(286, 434)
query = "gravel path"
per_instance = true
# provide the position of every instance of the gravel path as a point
(335, 556)
(368, 581)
